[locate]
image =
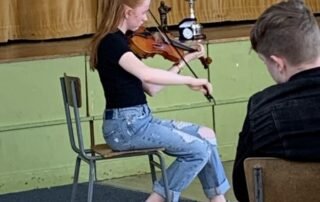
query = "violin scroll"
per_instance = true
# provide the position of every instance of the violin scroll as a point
(205, 62)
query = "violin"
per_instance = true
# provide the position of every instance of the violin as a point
(144, 44)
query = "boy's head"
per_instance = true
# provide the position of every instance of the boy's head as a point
(287, 30)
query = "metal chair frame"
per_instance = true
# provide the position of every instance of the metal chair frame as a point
(71, 91)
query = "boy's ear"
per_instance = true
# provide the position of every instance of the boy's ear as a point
(280, 62)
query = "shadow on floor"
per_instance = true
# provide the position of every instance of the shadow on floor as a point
(101, 192)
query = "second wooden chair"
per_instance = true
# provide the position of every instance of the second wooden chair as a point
(273, 179)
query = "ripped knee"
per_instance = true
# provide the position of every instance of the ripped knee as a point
(206, 133)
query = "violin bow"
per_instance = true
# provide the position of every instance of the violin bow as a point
(169, 41)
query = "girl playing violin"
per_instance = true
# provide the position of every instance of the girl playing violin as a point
(128, 121)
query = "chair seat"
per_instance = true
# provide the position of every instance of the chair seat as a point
(105, 151)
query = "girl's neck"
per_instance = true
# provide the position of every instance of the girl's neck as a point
(123, 28)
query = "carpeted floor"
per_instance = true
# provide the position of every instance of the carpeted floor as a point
(101, 193)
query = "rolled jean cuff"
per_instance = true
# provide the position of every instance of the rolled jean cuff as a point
(159, 189)
(221, 189)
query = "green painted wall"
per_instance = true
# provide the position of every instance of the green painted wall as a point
(34, 147)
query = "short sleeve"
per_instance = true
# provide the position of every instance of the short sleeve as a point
(112, 47)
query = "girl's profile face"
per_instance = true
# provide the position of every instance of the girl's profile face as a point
(138, 15)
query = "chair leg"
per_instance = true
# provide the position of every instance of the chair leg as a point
(91, 179)
(162, 167)
(152, 168)
(164, 177)
(75, 179)
(95, 171)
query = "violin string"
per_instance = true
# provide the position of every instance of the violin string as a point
(169, 41)
(174, 42)
(163, 36)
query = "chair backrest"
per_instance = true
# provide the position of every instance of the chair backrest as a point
(273, 179)
(71, 93)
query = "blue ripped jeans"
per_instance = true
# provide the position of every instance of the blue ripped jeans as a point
(136, 128)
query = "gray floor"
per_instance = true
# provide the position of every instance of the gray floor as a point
(194, 191)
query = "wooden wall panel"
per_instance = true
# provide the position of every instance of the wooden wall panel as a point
(49, 19)
(209, 11)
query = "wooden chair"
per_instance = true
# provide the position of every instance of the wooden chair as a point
(273, 179)
(71, 91)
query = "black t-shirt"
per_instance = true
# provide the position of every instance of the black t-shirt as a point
(121, 89)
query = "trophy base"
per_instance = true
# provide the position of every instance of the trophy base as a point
(189, 29)
(199, 37)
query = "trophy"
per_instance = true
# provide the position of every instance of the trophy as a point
(191, 8)
(163, 11)
(189, 29)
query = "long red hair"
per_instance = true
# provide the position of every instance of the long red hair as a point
(113, 12)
